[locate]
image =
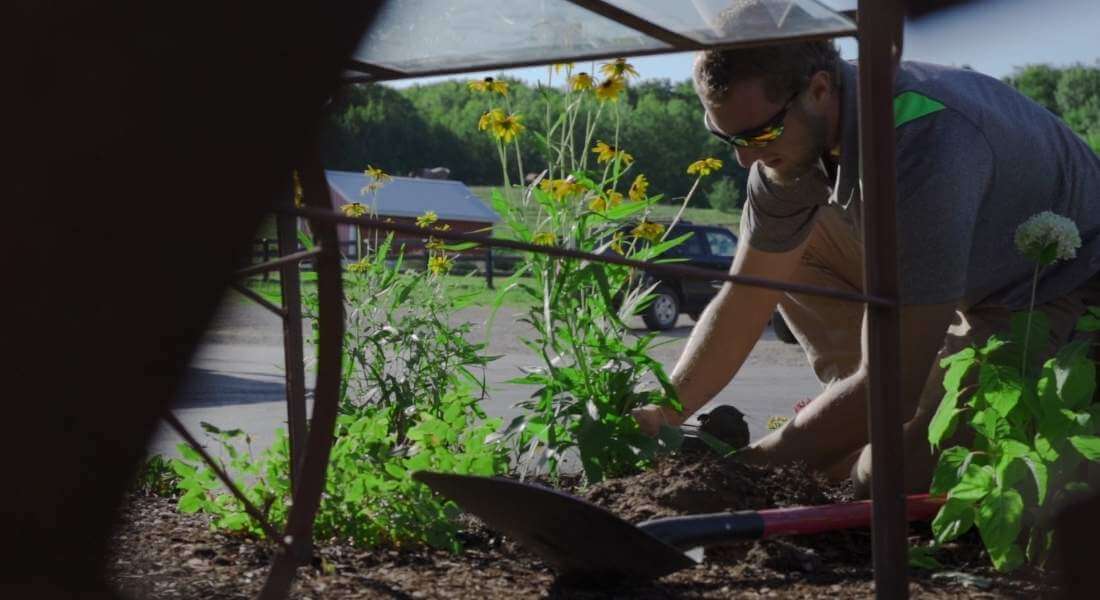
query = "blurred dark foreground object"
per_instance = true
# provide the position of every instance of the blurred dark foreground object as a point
(724, 423)
(145, 143)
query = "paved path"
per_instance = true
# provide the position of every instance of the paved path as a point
(236, 378)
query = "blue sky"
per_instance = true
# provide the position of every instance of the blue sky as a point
(991, 36)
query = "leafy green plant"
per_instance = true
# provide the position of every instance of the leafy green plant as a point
(369, 497)
(155, 477)
(1033, 421)
(409, 401)
(594, 371)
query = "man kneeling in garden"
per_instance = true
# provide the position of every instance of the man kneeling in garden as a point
(975, 159)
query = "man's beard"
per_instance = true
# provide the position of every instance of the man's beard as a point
(808, 157)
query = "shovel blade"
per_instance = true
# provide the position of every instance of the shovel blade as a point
(576, 538)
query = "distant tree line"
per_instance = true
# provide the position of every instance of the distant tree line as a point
(1072, 93)
(660, 124)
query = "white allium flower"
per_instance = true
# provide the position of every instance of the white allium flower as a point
(1046, 230)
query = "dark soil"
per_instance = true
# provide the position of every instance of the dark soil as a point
(160, 553)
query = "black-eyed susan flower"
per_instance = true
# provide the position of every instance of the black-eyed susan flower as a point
(508, 127)
(617, 242)
(609, 199)
(360, 266)
(544, 238)
(378, 175)
(354, 209)
(486, 121)
(434, 244)
(618, 68)
(489, 85)
(427, 219)
(561, 188)
(440, 264)
(559, 67)
(581, 82)
(606, 152)
(648, 230)
(638, 189)
(704, 167)
(609, 89)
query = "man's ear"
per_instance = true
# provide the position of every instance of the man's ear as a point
(820, 87)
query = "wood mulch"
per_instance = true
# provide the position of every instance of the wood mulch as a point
(161, 553)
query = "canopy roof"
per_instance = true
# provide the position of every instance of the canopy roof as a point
(414, 38)
(412, 197)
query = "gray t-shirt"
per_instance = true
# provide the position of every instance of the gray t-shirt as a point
(975, 159)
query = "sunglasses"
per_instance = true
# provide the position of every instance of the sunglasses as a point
(757, 137)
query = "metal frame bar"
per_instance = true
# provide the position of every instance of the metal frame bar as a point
(880, 34)
(258, 299)
(293, 345)
(311, 481)
(592, 56)
(278, 263)
(661, 268)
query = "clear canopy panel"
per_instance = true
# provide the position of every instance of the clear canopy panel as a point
(418, 37)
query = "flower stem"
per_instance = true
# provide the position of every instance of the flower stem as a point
(683, 206)
(1030, 312)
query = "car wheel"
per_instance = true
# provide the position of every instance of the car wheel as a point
(782, 331)
(662, 313)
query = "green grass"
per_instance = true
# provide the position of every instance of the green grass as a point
(661, 212)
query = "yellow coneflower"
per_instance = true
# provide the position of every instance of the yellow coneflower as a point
(492, 116)
(581, 82)
(434, 244)
(609, 89)
(704, 167)
(354, 209)
(619, 68)
(440, 265)
(508, 127)
(610, 199)
(544, 238)
(443, 227)
(489, 85)
(426, 219)
(559, 67)
(560, 188)
(648, 231)
(638, 188)
(617, 242)
(606, 152)
(361, 266)
(378, 175)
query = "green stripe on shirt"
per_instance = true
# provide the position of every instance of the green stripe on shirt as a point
(910, 106)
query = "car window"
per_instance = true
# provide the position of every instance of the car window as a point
(693, 246)
(721, 244)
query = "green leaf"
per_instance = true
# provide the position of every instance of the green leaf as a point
(1039, 473)
(1089, 322)
(947, 473)
(957, 365)
(1075, 375)
(945, 420)
(1000, 387)
(1087, 445)
(188, 452)
(990, 424)
(192, 501)
(976, 483)
(208, 428)
(955, 518)
(999, 522)
(921, 557)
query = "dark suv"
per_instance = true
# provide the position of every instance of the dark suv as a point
(710, 247)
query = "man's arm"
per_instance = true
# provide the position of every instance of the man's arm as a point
(834, 426)
(725, 334)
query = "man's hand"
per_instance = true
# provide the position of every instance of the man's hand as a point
(651, 417)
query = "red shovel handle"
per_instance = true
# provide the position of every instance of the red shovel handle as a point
(850, 515)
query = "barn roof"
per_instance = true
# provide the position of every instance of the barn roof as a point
(412, 197)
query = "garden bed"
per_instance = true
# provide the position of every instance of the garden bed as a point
(160, 553)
